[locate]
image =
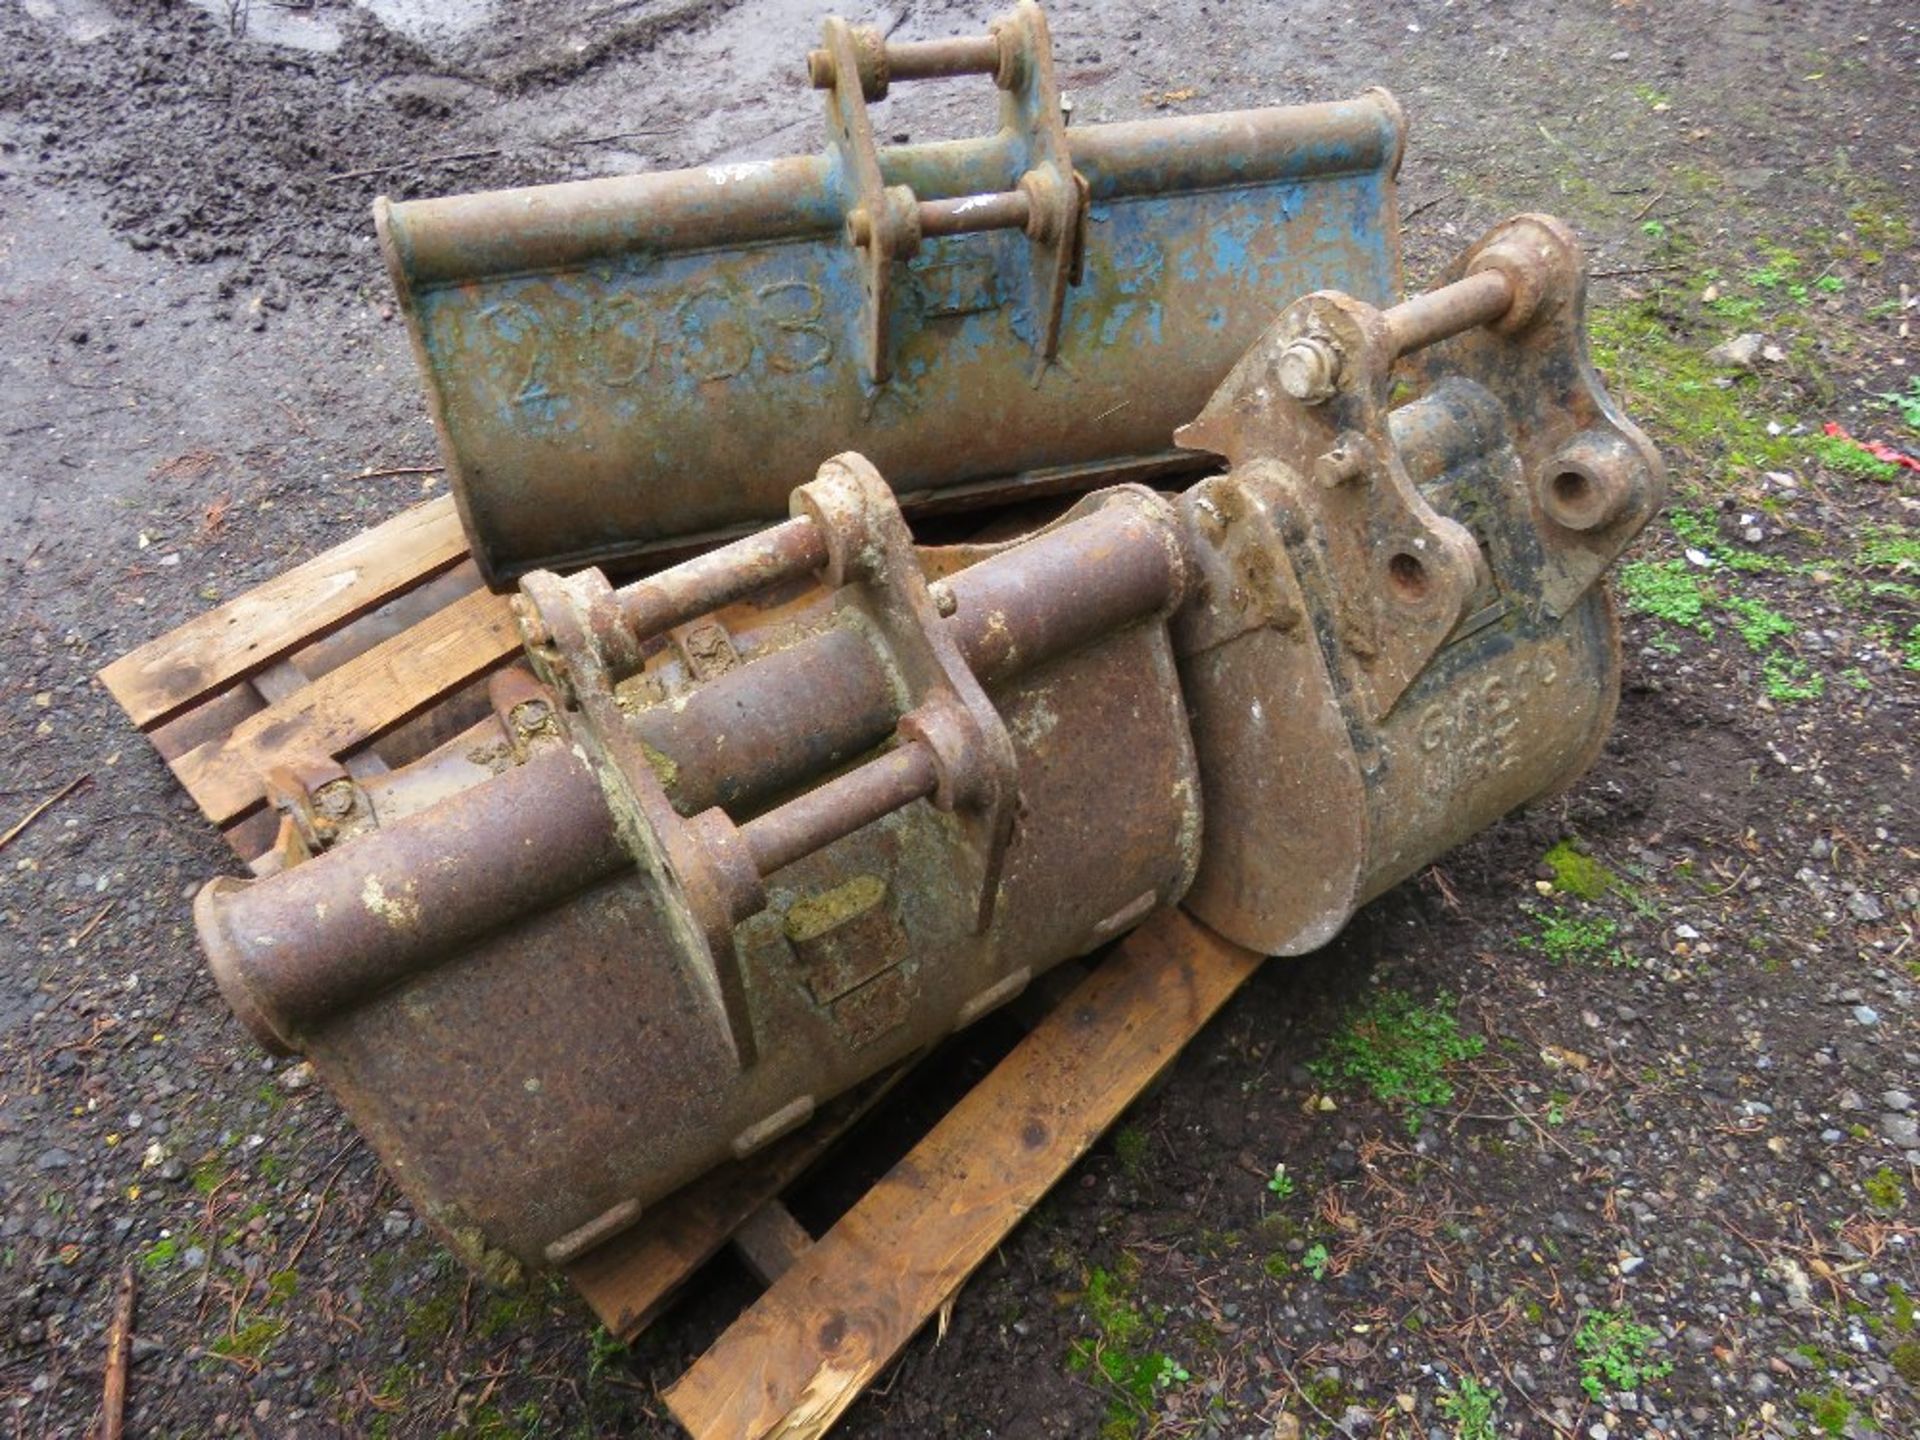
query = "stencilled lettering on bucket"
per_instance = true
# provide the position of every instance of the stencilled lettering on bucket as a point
(1475, 722)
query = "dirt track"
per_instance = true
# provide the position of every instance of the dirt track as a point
(197, 354)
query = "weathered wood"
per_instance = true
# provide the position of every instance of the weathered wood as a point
(793, 1363)
(347, 707)
(634, 1276)
(168, 675)
(771, 1241)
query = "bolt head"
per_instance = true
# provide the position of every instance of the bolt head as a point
(1309, 369)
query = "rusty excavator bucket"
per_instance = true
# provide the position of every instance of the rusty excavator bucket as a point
(748, 830)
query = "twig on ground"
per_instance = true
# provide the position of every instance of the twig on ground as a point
(1625, 271)
(113, 1402)
(391, 470)
(45, 805)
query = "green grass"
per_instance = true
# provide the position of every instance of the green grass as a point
(1616, 1353)
(1846, 458)
(1399, 1050)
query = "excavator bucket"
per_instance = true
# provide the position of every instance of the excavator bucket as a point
(742, 833)
(652, 362)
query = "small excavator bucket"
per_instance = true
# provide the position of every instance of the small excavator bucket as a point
(652, 362)
(745, 832)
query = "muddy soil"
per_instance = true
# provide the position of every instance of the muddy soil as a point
(1673, 1191)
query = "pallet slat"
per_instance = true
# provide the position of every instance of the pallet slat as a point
(347, 707)
(771, 1241)
(167, 675)
(800, 1356)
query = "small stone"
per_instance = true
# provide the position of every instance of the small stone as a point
(296, 1077)
(1897, 1100)
(395, 1224)
(1286, 1427)
(1742, 352)
(1864, 907)
(1631, 1263)
(1865, 1015)
(53, 1158)
(1901, 1130)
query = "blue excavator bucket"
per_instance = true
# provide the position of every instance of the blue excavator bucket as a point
(651, 363)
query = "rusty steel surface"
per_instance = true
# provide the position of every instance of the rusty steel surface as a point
(648, 361)
(1408, 596)
(751, 830)
(566, 1011)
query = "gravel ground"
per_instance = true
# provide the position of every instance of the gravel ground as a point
(1604, 1126)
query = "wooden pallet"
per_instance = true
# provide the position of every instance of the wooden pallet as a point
(344, 655)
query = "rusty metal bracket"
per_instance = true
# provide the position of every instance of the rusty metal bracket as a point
(1592, 478)
(951, 746)
(887, 223)
(1312, 400)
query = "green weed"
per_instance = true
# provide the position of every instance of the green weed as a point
(1789, 678)
(1399, 1050)
(1566, 937)
(1281, 1183)
(604, 1350)
(1616, 1353)
(1470, 1407)
(1905, 402)
(1132, 1376)
(1759, 625)
(1316, 1260)
(1667, 590)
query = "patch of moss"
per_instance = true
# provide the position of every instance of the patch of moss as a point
(1829, 1410)
(1885, 1189)
(1130, 1148)
(1577, 873)
(1905, 1359)
(1133, 1376)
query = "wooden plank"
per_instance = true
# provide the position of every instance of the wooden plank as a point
(347, 707)
(771, 1241)
(793, 1363)
(632, 1278)
(269, 622)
